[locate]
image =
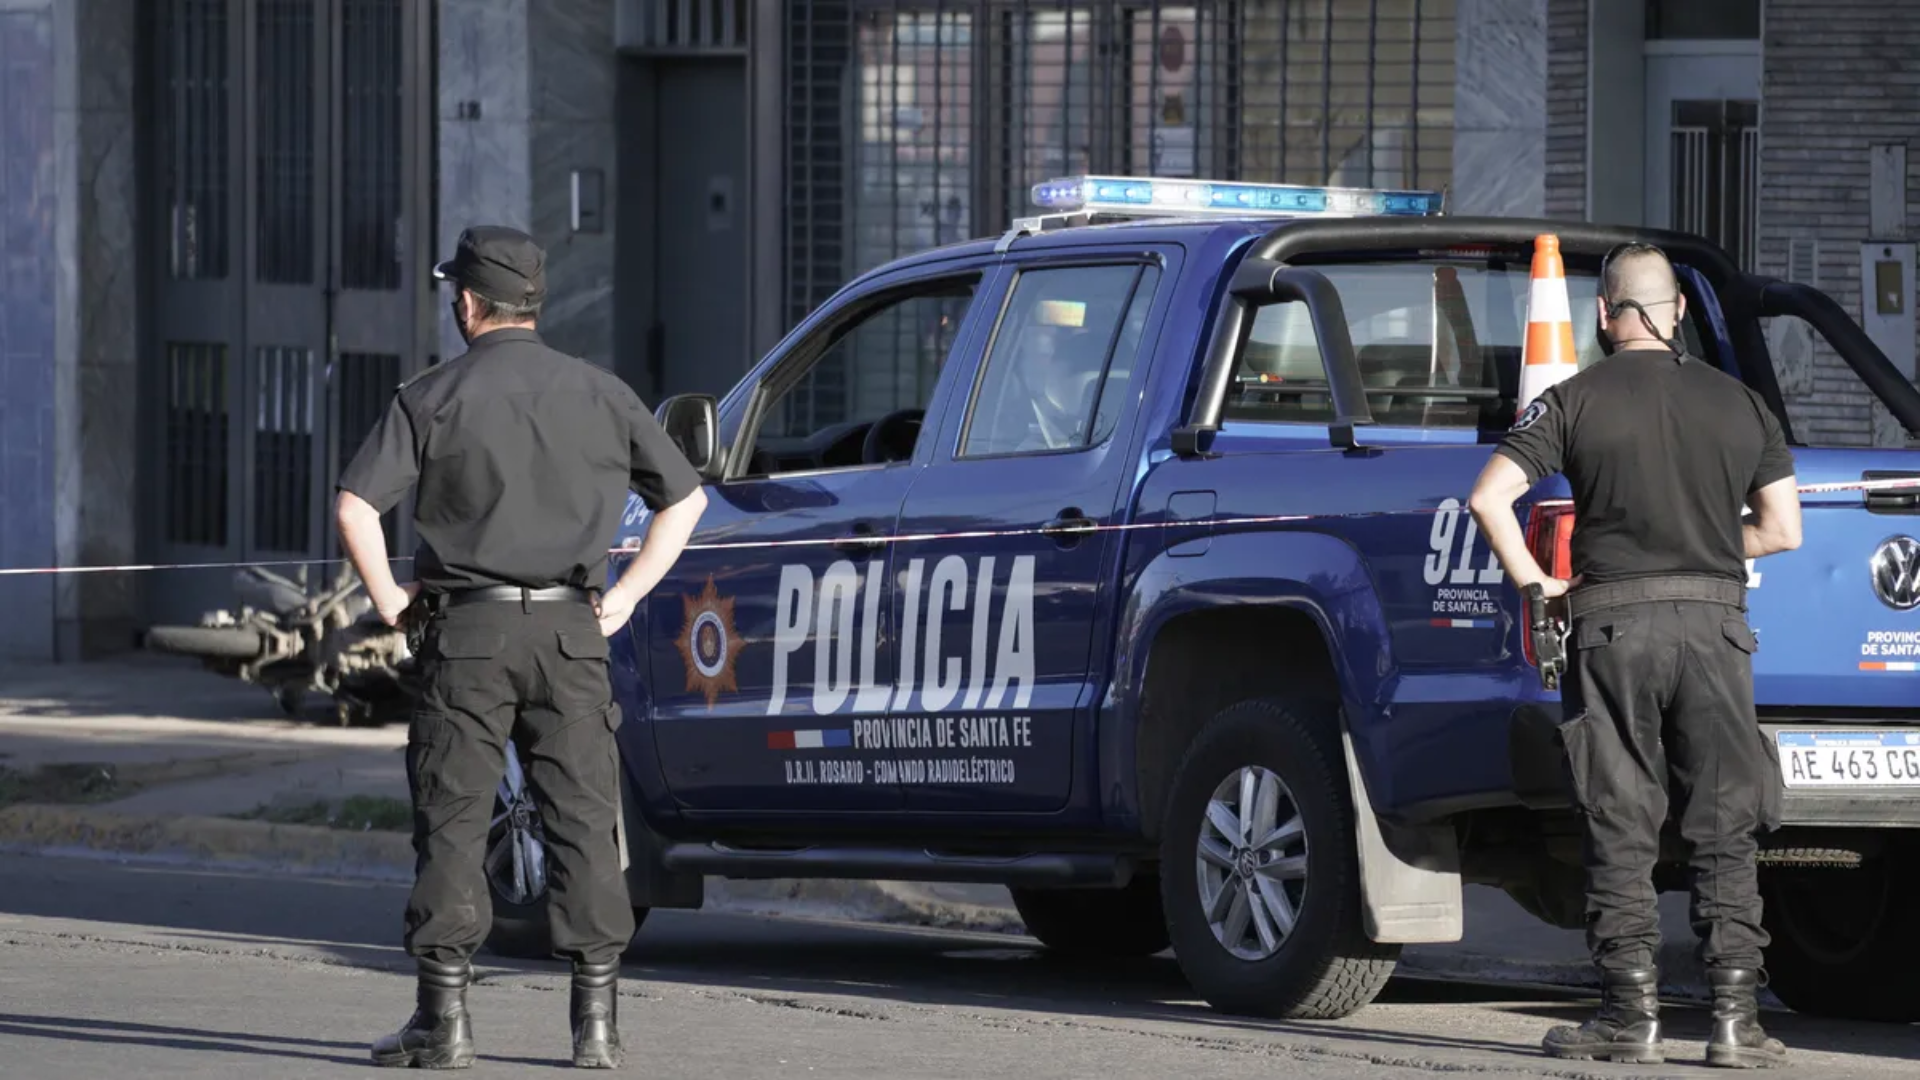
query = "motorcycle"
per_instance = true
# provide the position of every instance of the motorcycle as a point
(293, 642)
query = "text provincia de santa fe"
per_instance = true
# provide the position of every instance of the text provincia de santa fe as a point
(922, 733)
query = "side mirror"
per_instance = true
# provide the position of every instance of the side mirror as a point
(692, 421)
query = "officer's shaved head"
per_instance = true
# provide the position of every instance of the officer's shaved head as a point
(1641, 273)
(1640, 301)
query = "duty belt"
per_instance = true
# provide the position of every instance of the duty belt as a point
(1591, 598)
(517, 593)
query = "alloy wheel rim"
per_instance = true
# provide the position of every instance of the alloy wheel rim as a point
(516, 864)
(1251, 864)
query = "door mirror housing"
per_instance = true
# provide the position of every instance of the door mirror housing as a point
(692, 421)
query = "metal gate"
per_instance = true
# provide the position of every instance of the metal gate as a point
(1715, 164)
(914, 123)
(292, 164)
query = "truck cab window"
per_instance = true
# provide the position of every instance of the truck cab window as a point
(1438, 344)
(860, 387)
(1057, 373)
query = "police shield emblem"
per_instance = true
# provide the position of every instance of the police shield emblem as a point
(709, 644)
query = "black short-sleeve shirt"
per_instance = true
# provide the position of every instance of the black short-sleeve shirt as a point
(523, 457)
(1661, 453)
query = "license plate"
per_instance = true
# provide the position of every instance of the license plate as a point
(1849, 758)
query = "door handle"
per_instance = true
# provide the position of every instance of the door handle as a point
(860, 541)
(1068, 527)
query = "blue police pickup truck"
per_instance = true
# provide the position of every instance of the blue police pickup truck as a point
(1122, 560)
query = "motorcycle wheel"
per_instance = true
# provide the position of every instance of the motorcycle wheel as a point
(223, 642)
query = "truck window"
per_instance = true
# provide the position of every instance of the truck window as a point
(882, 364)
(1056, 376)
(1438, 343)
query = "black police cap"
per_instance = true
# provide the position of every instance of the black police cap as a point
(504, 265)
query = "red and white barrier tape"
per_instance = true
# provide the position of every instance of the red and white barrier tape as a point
(911, 538)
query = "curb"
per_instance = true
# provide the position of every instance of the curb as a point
(218, 842)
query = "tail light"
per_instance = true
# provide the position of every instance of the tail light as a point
(1550, 538)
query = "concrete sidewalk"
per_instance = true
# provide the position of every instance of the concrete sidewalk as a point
(188, 742)
(196, 749)
(182, 751)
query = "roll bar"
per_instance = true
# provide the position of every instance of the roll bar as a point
(1744, 298)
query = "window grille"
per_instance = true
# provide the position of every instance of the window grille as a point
(195, 123)
(915, 123)
(196, 438)
(283, 429)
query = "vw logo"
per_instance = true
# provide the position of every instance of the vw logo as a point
(1896, 573)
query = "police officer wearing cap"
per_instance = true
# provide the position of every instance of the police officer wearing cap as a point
(522, 457)
(1661, 451)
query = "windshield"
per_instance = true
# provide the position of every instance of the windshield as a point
(1438, 344)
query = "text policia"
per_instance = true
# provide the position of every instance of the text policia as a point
(839, 615)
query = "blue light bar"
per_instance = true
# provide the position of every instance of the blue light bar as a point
(1140, 195)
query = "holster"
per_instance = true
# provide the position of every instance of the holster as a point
(1547, 629)
(414, 620)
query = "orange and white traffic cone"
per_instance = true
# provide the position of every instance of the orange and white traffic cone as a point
(1548, 356)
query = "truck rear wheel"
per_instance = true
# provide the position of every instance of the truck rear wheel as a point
(1096, 923)
(1259, 869)
(1844, 943)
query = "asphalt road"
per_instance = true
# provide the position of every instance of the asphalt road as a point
(117, 970)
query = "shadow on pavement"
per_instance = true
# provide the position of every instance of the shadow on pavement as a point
(136, 686)
(934, 969)
(779, 959)
(1892, 1042)
(127, 1033)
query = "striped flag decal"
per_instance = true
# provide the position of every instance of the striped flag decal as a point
(1463, 624)
(1889, 665)
(808, 740)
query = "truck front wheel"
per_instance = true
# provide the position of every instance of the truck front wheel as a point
(1096, 923)
(1259, 870)
(1844, 943)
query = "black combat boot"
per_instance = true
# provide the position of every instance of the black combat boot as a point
(1626, 1029)
(596, 1029)
(439, 1035)
(1738, 1041)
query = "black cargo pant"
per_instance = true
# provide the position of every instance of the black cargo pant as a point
(1659, 696)
(535, 672)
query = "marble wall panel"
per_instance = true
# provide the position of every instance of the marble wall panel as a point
(579, 314)
(1500, 116)
(482, 120)
(1499, 173)
(28, 212)
(528, 92)
(483, 57)
(575, 82)
(98, 423)
(575, 71)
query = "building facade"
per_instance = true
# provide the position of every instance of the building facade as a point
(218, 214)
(1780, 128)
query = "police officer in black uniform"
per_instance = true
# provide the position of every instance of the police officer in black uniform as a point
(1661, 451)
(522, 457)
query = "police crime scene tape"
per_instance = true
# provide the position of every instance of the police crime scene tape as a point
(1894, 484)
